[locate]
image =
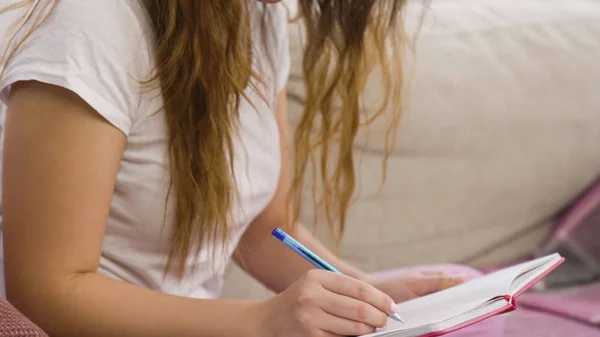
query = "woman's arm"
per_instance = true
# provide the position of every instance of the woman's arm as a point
(59, 168)
(277, 267)
(256, 245)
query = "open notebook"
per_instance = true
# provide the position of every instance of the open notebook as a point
(468, 303)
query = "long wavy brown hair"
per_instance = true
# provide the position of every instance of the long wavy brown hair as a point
(203, 65)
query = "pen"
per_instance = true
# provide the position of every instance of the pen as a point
(311, 257)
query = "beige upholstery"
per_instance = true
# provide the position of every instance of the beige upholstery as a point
(501, 132)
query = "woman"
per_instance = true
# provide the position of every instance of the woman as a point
(144, 148)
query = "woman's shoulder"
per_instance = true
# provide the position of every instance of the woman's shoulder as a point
(117, 25)
(96, 48)
(87, 32)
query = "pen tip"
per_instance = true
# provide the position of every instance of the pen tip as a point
(397, 317)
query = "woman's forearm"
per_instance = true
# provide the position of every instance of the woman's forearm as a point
(94, 305)
(266, 259)
(277, 266)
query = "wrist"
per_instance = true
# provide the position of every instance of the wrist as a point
(258, 320)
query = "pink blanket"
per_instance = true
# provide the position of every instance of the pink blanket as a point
(578, 303)
(13, 324)
(530, 323)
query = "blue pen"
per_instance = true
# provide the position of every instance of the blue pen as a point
(311, 257)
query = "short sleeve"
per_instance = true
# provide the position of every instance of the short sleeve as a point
(92, 56)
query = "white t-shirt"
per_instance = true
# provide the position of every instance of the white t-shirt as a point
(100, 49)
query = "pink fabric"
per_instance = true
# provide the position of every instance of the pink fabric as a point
(492, 327)
(529, 323)
(576, 215)
(577, 303)
(14, 324)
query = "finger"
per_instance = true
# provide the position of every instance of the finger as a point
(447, 280)
(350, 287)
(428, 284)
(322, 333)
(334, 325)
(352, 309)
(454, 280)
(433, 273)
(408, 294)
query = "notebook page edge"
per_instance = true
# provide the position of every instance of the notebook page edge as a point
(452, 324)
(539, 274)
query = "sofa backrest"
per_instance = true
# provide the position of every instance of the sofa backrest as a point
(500, 133)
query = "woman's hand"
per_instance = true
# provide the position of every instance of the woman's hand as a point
(325, 304)
(416, 284)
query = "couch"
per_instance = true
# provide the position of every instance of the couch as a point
(501, 133)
